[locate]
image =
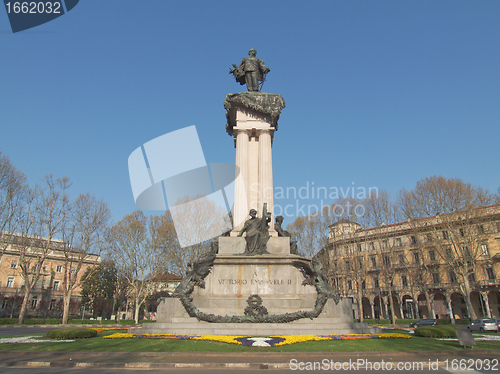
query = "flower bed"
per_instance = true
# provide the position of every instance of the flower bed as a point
(271, 341)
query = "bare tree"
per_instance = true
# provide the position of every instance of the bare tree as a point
(188, 230)
(136, 256)
(311, 231)
(82, 236)
(41, 222)
(454, 227)
(12, 189)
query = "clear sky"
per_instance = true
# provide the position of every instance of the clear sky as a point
(378, 93)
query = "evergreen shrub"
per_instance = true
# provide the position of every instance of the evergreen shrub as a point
(71, 334)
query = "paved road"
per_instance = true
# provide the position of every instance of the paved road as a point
(214, 371)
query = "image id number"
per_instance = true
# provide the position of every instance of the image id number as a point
(27, 7)
(470, 364)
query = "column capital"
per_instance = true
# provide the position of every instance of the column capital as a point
(241, 130)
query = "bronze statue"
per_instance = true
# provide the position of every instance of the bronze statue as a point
(251, 71)
(293, 243)
(257, 231)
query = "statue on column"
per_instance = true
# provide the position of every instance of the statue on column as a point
(250, 71)
(284, 233)
(257, 233)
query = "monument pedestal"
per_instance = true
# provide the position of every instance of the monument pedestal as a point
(234, 278)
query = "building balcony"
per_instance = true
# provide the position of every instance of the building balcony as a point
(489, 283)
(436, 287)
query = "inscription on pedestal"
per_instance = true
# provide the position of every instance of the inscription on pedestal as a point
(259, 282)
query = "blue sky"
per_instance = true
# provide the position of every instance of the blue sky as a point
(378, 93)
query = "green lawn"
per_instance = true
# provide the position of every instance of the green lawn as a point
(99, 344)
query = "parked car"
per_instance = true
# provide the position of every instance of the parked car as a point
(497, 321)
(424, 322)
(482, 325)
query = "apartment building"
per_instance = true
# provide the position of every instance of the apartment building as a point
(445, 266)
(46, 296)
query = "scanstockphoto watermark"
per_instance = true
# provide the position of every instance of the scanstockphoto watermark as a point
(359, 364)
(305, 200)
(464, 365)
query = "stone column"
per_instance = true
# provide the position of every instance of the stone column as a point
(372, 306)
(484, 295)
(240, 210)
(401, 313)
(386, 307)
(450, 308)
(266, 172)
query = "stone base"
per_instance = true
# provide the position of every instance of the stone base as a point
(234, 278)
(335, 319)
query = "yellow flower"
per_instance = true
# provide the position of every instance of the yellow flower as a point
(292, 339)
(394, 335)
(219, 338)
(119, 335)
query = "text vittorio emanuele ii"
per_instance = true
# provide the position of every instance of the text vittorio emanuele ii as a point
(260, 282)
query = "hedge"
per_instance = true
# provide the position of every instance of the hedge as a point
(71, 334)
(57, 321)
(377, 321)
(444, 331)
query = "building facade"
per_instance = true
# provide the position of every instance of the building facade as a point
(445, 266)
(46, 297)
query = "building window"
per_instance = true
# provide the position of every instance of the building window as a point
(360, 263)
(52, 304)
(13, 264)
(359, 248)
(385, 244)
(346, 230)
(44, 267)
(446, 235)
(348, 266)
(387, 260)
(490, 275)
(336, 282)
(435, 278)
(399, 243)
(402, 259)
(453, 277)
(59, 269)
(480, 229)
(432, 255)
(416, 257)
(73, 270)
(462, 232)
(34, 301)
(472, 277)
(372, 246)
(363, 285)
(373, 261)
(10, 282)
(404, 280)
(376, 283)
(429, 237)
(413, 240)
(56, 285)
(448, 251)
(485, 252)
(349, 284)
(4, 304)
